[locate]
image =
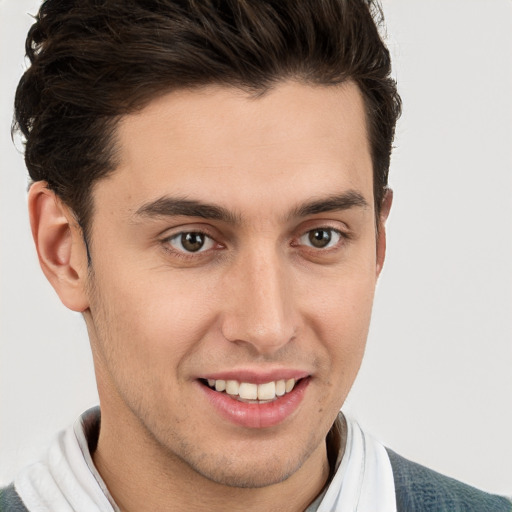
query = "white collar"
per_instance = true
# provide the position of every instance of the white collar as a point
(364, 480)
(65, 480)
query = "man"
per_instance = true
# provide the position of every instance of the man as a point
(210, 191)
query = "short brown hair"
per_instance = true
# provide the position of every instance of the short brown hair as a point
(93, 62)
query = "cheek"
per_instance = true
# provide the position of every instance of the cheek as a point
(340, 317)
(342, 304)
(343, 326)
(149, 318)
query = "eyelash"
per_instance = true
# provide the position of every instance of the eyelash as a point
(183, 253)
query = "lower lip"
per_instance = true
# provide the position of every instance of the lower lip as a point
(252, 415)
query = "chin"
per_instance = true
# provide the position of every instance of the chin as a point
(245, 476)
(249, 466)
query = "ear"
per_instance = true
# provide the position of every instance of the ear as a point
(60, 246)
(381, 237)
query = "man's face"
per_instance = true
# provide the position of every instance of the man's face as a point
(235, 242)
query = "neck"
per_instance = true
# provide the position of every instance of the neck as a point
(142, 478)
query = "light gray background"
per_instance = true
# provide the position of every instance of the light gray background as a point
(436, 384)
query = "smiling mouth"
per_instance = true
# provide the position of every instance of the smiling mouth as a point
(250, 392)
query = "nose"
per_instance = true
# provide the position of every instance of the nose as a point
(259, 311)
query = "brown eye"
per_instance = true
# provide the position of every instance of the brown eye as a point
(191, 241)
(321, 238)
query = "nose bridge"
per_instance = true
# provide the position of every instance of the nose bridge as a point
(260, 311)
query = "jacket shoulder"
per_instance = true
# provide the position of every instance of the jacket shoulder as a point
(10, 500)
(419, 489)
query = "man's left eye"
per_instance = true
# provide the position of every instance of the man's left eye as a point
(191, 242)
(321, 238)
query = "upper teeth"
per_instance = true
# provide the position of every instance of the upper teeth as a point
(251, 391)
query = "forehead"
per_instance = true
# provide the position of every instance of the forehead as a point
(222, 143)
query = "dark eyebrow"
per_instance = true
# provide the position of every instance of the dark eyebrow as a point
(168, 206)
(173, 206)
(345, 201)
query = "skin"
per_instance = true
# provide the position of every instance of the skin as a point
(258, 296)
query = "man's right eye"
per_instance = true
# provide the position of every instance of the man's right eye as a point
(191, 242)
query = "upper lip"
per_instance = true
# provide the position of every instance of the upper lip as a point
(257, 376)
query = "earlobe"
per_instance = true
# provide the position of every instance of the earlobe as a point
(381, 238)
(59, 244)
